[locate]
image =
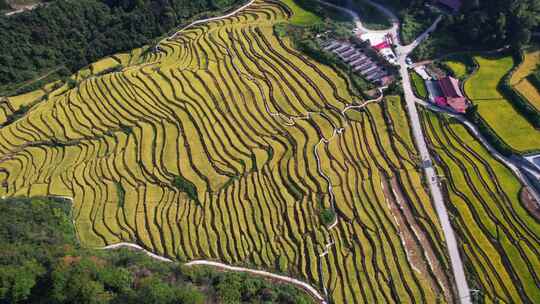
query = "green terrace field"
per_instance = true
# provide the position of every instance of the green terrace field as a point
(458, 68)
(481, 88)
(228, 145)
(419, 85)
(520, 79)
(499, 237)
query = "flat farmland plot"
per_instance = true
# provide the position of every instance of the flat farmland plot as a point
(519, 79)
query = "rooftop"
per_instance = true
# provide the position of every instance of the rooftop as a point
(450, 87)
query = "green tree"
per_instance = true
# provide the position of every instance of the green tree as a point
(153, 290)
(16, 282)
(189, 295)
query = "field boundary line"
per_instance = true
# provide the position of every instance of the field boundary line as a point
(303, 285)
(201, 21)
(478, 136)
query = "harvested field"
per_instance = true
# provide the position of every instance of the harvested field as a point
(226, 146)
(500, 238)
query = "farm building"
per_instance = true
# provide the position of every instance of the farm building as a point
(452, 93)
(359, 61)
(446, 92)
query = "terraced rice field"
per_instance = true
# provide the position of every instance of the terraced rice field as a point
(498, 112)
(519, 79)
(419, 85)
(458, 68)
(226, 146)
(500, 239)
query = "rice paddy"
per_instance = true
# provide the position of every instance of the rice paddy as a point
(519, 79)
(458, 68)
(227, 145)
(419, 85)
(498, 112)
(499, 237)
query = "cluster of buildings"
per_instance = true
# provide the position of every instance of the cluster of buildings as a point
(446, 92)
(359, 61)
(382, 43)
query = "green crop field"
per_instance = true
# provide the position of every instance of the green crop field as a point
(300, 16)
(499, 237)
(482, 89)
(419, 85)
(227, 145)
(519, 79)
(483, 84)
(458, 68)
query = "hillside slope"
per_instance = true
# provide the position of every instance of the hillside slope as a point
(229, 145)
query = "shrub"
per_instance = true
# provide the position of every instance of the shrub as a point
(184, 185)
(328, 216)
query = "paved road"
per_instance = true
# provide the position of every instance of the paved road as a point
(431, 175)
(410, 47)
(283, 278)
(358, 22)
(202, 21)
(24, 9)
(436, 193)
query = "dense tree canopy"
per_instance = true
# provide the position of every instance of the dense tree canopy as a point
(75, 33)
(497, 22)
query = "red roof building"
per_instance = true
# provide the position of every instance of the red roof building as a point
(381, 46)
(452, 95)
(441, 101)
(450, 87)
(458, 104)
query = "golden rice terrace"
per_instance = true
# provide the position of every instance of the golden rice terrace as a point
(228, 145)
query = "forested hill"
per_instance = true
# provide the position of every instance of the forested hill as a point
(496, 22)
(75, 33)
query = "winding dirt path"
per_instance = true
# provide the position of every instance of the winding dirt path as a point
(304, 286)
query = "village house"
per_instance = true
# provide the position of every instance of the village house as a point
(446, 92)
